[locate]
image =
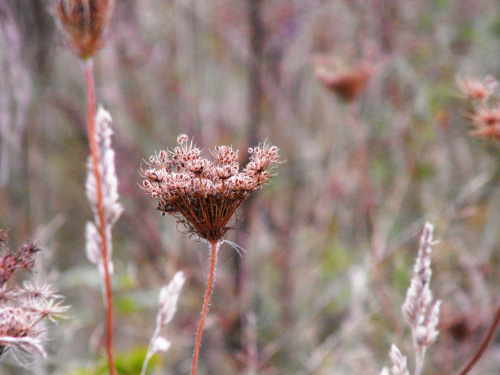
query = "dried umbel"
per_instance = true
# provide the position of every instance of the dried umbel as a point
(204, 194)
(84, 23)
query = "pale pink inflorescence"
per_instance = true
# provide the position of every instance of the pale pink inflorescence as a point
(23, 308)
(169, 295)
(419, 296)
(109, 185)
(399, 366)
(484, 95)
(418, 309)
(204, 194)
(478, 89)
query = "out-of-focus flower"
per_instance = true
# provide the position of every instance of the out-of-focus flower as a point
(84, 23)
(477, 89)
(347, 82)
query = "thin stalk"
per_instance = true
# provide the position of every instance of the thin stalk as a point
(150, 352)
(94, 157)
(483, 346)
(213, 260)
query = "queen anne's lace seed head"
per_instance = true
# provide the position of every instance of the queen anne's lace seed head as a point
(203, 194)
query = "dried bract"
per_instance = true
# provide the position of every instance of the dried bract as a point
(204, 194)
(84, 23)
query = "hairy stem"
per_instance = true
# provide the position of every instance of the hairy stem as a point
(94, 157)
(213, 260)
(483, 346)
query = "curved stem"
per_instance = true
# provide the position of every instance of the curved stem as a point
(483, 346)
(213, 260)
(94, 157)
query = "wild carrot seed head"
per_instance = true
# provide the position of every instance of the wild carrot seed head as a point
(204, 194)
(84, 23)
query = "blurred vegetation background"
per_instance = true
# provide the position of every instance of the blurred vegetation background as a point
(330, 243)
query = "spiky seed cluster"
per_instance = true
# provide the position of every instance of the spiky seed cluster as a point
(22, 308)
(24, 258)
(84, 23)
(486, 105)
(21, 311)
(204, 194)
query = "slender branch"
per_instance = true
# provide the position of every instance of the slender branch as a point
(94, 156)
(483, 346)
(204, 311)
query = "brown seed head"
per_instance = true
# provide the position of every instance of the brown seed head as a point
(201, 194)
(347, 83)
(84, 23)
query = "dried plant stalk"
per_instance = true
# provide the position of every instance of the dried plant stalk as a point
(203, 195)
(102, 222)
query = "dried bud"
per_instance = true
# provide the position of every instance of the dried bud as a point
(84, 23)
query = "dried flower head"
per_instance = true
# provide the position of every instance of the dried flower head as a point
(23, 308)
(487, 122)
(202, 194)
(477, 89)
(24, 258)
(347, 83)
(84, 23)
(20, 318)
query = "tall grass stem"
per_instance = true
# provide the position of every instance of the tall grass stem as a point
(94, 156)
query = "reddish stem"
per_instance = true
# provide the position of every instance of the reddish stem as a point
(204, 311)
(94, 157)
(483, 346)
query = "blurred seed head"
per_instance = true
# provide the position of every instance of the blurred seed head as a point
(84, 23)
(486, 105)
(348, 83)
(478, 89)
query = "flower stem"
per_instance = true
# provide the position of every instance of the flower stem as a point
(204, 311)
(94, 157)
(483, 346)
